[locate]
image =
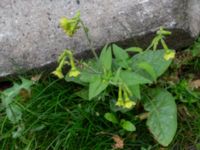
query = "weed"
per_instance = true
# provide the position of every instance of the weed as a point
(128, 75)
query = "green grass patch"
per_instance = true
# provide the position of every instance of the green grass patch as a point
(55, 118)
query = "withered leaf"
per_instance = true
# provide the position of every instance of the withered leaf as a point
(195, 84)
(119, 142)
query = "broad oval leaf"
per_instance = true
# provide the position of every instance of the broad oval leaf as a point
(154, 59)
(111, 117)
(127, 125)
(162, 120)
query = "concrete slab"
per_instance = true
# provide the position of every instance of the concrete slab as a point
(30, 36)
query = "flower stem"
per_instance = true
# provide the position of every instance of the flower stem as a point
(88, 39)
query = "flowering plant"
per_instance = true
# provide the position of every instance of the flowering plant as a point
(128, 74)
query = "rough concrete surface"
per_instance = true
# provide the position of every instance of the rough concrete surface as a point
(30, 36)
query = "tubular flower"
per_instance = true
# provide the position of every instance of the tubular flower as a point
(58, 73)
(74, 72)
(70, 26)
(120, 101)
(169, 54)
(128, 103)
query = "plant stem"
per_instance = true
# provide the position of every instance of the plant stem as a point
(88, 39)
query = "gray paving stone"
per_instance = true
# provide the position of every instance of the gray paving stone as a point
(30, 36)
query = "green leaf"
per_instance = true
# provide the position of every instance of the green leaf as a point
(132, 78)
(88, 77)
(26, 84)
(18, 133)
(134, 49)
(75, 80)
(83, 94)
(14, 113)
(9, 94)
(121, 57)
(106, 58)
(96, 87)
(195, 49)
(116, 78)
(111, 117)
(162, 120)
(154, 59)
(135, 90)
(127, 125)
(148, 68)
(119, 53)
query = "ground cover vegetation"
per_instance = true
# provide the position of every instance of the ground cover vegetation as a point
(122, 99)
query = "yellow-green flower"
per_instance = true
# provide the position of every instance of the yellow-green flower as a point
(169, 54)
(129, 104)
(70, 26)
(61, 61)
(120, 103)
(58, 73)
(63, 23)
(74, 72)
(125, 104)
